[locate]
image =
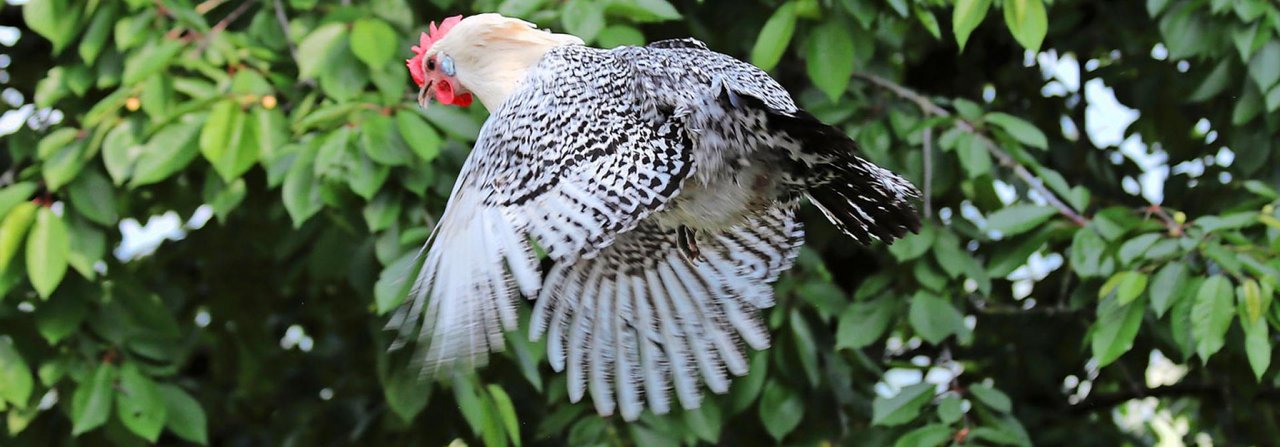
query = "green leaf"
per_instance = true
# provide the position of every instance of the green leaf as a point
(229, 140)
(1018, 128)
(381, 140)
(1211, 315)
(743, 392)
(931, 435)
(934, 319)
(862, 323)
(1166, 286)
(993, 398)
(1252, 301)
(16, 380)
(301, 192)
(1018, 219)
(139, 403)
(53, 19)
(1115, 329)
(13, 195)
(1027, 21)
(94, 197)
(318, 49)
(61, 316)
(967, 16)
(91, 404)
(393, 283)
(98, 31)
(382, 211)
(1087, 250)
(913, 245)
(88, 246)
(950, 409)
(422, 139)
(13, 231)
(183, 415)
(367, 177)
(1232, 221)
(781, 410)
(902, 407)
(1127, 286)
(120, 151)
(774, 37)
(506, 412)
(1264, 67)
(643, 10)
(830, 57)
(947, 251)
(929, 22)
(374, 42)
(1257, 346)
(405, 393)
(614, 36)
(1136, 247)
(142, 64)
(583, 18)
(63, 154)
(973, 156)
(168, 151)
(47, 249)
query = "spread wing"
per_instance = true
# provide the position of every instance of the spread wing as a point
(571, 160)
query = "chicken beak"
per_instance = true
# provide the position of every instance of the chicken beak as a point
(424, 96)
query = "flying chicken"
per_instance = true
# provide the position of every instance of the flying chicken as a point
(662, 181)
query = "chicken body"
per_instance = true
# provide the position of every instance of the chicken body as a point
(663, 182)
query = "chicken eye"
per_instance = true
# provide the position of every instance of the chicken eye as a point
(446, 65)
(431, 64)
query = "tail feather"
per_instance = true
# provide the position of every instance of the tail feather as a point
(640, 319)
(466, 291)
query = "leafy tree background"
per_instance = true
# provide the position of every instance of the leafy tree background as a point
(1068, 289)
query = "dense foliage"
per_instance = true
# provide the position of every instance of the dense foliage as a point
(1069, 287)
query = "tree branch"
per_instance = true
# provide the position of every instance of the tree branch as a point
(928, 173)
(930, 108)
(284, 27)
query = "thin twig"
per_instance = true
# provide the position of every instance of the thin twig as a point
(1006, 160)
(928, 173)
(284, 27)
(226, 21)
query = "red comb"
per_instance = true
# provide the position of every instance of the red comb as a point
(425, 41)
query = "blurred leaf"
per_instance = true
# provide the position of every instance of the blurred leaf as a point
(53, 19)
(1126, 285)
(12, 195)
(584, 18)
(63, 154)
(47, 249)
(506, 412)
(1264, 67)
(1020, 129)
(830, 58)
(94, 197)
(394, 283)
(422, 139)
(374, 42)
(1117, 325)
(618, 35)
(934, 319)
(381, 141)
(643, 10)
(780, 410)
(406, 394)
(931, 435)
(913, 245)
(139, 403)
(96, 34)
(183, 415)
(16, 381)
(993, 398)
(1018, 219)
(968, 14)
(902, 407)
(229, 140)
(91, 404)
(1027, 21)
(300, 192)
(774, 37)
(864, 322)
(1257, 346)
(13, 231)
(61, 316)
(950, 409)
(142, 64)
(316, 51)
(120, 151)
(167, 152)
(1166, 286)
(1211, 315)
(1086, 252)
(1136, 247)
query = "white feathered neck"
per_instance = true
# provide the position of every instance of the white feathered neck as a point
(493, 53)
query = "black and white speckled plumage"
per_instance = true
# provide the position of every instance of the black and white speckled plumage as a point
(663, 182)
